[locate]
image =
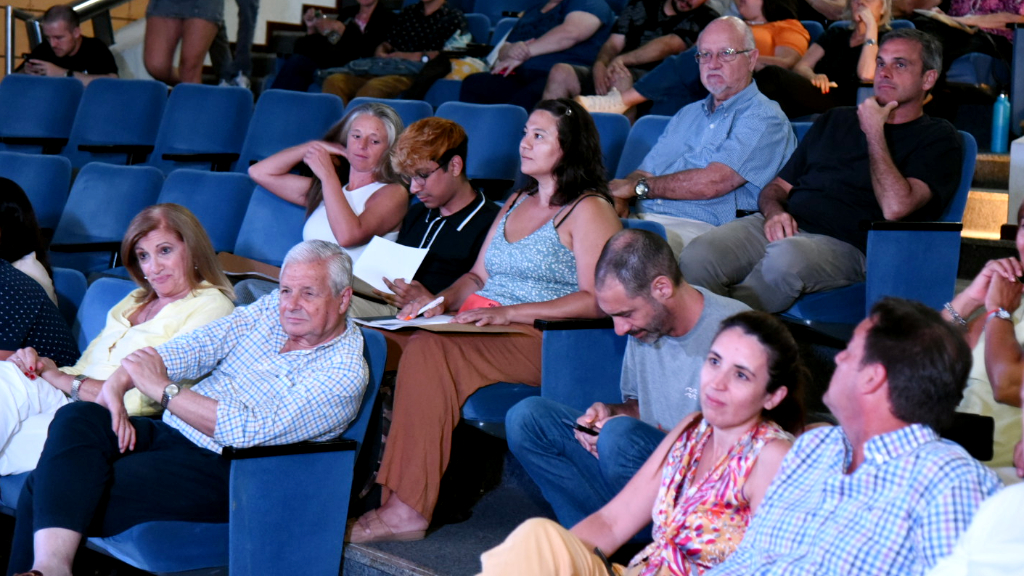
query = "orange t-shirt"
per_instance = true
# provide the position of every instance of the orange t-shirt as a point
(788, 33)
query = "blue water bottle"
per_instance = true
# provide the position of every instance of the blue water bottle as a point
(1000, 124)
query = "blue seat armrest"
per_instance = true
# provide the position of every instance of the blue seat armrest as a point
(573, 324)
(581, 361)
(296, 494)
(106, 246)
(219, 161)
(886, 225)
(136, 153)
(913, 260)
(337, 445)
(49, 145)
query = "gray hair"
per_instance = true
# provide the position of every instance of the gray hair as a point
(339, 264)
(931, 49)
(740, 26)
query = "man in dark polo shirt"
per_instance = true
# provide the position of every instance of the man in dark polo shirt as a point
(66, 52)
(451, 220)
(884, 160)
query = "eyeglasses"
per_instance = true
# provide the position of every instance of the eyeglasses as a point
(421, 178)
(727, 55)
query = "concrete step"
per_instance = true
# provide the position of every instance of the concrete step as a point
(363, 560)
(992, 171)
(985, 213)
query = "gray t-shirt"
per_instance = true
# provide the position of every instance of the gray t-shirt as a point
(664, 377)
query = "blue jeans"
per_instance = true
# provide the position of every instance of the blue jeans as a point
(573, 481)
(220, 52)
(672, 84)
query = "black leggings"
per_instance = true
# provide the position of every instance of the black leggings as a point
(83, 483)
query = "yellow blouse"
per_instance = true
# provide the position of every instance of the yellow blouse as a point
(119, 338)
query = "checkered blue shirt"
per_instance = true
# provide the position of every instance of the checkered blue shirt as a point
(265, 397)
(898, 513)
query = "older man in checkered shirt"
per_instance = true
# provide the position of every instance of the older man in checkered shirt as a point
(285, 369)
(881, 493)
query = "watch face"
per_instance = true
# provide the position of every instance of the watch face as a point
(642, 188)
(172, 390)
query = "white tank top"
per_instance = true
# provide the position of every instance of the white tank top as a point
(318, 228)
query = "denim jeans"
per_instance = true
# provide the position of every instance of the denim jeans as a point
(220, 51)
(573, 481)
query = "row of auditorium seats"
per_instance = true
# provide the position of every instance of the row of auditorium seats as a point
(308, 518)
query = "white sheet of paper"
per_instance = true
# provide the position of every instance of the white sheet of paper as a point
(395, 323)
(384, 258)
(493, 56)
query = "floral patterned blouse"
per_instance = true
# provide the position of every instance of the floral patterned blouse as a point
(698, 522)
(977, 7)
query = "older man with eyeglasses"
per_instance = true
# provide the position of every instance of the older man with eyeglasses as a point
(715, 155)
(884, 160)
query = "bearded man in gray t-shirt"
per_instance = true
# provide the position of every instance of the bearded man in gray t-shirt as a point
(672, 324)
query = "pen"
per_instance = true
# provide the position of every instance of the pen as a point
(433, 304)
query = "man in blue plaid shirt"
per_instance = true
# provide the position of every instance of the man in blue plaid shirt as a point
(881, 493)
(285, 369)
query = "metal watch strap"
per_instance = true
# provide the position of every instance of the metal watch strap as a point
(76, 384)
(642, 183)
(170, 391)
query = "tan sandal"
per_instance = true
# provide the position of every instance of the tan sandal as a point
(370, 527)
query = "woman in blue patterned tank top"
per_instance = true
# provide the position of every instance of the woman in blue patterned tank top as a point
(537, 262)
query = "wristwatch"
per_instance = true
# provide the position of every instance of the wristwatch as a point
(1001, 313)
(424, 58)
(869, 42)
(642, 188)
(75, 385)
(169, 392)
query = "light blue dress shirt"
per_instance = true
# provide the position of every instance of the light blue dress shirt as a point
(748, 133)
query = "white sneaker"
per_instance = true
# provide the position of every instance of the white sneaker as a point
(610, 102)
(241, 80)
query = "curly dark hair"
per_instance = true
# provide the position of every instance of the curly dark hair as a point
(785, 367)
(581, 169)
(19, 230)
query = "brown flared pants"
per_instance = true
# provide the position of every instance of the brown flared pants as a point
(436, 375)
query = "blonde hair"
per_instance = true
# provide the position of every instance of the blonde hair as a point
(201, 258)
(338, 134)
(883, 24)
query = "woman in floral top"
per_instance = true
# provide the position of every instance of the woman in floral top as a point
(705, 480)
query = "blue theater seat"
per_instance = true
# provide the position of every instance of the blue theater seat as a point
(285, 118)
(116, 122)
(203, 127)
(46, 180)
(38, 112)
(103, 201)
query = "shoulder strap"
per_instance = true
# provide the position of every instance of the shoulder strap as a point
(573, 206)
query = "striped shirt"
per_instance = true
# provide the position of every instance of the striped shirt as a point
(898, 513)
(265, 397)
